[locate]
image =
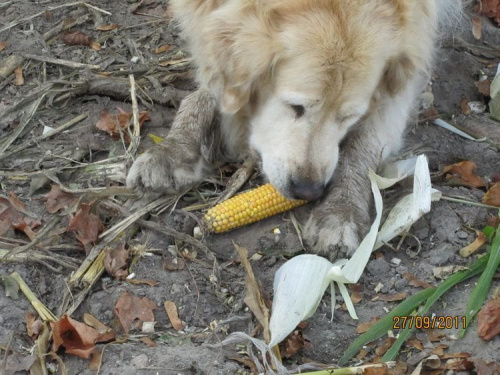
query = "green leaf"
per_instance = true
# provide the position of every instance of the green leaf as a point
(385, 324)
(11, 286)
(489, 232)
(476, 268)
(480, 292)
(156, 139)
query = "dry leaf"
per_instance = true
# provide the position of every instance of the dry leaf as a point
(162, 49)
(148, 342)
(417, 344)
(77, 338)
(76, 38)
(59, 200)
(484, 367)
(492, 196)
(115, 261)
(488, 320)
(464, 106)
(171, 310)
(477, 27)
(86, 225)
(3, 45)
(95, 361)
(473, 247)
(435, 335)
(484, 87)
(13, 215)
(171, 263)
(294, 343)
(18, 72)
(111, 26)
(415, 281)
(33, 325)
(105, 332)
(365, 326)
(95, 46)
(381, 349)
(491, 9)
(391, 297)
(133, 311)
(113, 124)
(462, 174)
(143, 282)
(253, 297)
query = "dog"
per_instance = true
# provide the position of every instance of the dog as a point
(318, 91)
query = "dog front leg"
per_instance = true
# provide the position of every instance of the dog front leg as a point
(184, 157)
(343, 216)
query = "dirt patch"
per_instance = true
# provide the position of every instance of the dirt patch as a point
(83, 159)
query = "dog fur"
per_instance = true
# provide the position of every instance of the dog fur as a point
(318, 91)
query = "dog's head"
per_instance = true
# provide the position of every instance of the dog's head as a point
(307, 71)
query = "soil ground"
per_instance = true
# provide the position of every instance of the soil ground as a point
(202, 301)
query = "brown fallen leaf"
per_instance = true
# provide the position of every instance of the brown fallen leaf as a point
(245, 361)
(76, 38)
(105, 333)
(381, 349)
(162, 49)
(18, 73)
(415, 281)
(148, 342)
(111, 26)
(58, 200)
(171, 263)
(13, 214)
(474, 246)
(77, 338)
(365, 326)
(484, 367)
(439, 350)
(391, 297)
(462, 174)
(115, 261)
(488, 320)
(492, 196)
(114, 124)
(143, 282)
(17, 362)
(171, 310)
(253, 298)
(491, 9)
(464, 106)
(96, 360)
(133, 311)
(86, 225)
(33, 325)
(293, 343)
(417, 344)
(484, 87)
(95, 46)
(435, 335)
(3, 45)
(356, 297)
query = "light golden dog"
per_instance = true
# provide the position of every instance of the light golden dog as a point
(318, 91)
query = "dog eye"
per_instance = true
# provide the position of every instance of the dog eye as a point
(298, 109)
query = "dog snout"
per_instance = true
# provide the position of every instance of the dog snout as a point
(306, 190)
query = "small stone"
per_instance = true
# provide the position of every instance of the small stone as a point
(442, 254)
(401, 284)
(378, 267)
(141, 361)
(462, 235)
(396, 261)
(401, 269)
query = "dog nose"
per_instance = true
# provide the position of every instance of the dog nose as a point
(307, 190)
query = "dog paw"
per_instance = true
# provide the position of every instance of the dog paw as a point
(165, 169)
(335, 229)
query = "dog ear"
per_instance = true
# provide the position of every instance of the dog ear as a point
(240, 49)
(398, 72)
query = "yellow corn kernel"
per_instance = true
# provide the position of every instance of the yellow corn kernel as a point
(248, 207)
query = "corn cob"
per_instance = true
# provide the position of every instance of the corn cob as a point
(248, 207)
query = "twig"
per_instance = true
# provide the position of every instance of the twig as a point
(136, 136)
(30, 112)
(49, 134)
(40, 308)
(29, 18)
(468, 202)
(70, 64)
(237, 180)
(6, 4)
(36, 256)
